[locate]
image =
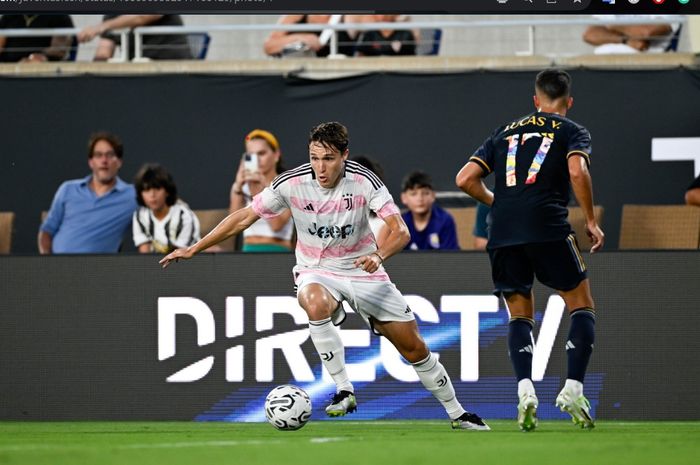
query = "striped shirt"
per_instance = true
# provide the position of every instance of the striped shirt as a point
(179, 228)
(332, 224)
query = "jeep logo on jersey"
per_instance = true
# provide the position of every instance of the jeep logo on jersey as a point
(335, 232)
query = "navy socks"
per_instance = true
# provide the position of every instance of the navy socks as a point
(520, 346)
(579, 344)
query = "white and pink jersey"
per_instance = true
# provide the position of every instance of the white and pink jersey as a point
(332, 224)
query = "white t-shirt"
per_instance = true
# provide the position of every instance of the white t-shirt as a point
(332, 224)
(656, 45)
(179, 228)
(262, 227)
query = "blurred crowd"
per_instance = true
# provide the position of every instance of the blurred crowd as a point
(281, 43)
(92, 214)
(353, 41)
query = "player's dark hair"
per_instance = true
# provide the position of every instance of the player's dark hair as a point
(110, 138)
(331, 135)
(416, 180)
(154, 176)
(554, 83)
(371, 165)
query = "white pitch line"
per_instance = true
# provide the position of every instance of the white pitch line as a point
(324, 440)
(159, 445)
(173, 445)
(33, 447)
(370, 423)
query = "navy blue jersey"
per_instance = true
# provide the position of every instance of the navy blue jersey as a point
(531, 189)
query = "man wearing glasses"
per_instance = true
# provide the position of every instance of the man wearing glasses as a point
(91, 215)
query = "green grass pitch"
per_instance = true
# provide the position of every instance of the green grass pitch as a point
(346, 442)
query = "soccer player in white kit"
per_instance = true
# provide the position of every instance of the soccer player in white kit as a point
(338, 260)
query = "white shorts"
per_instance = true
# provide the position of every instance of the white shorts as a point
(373, 300)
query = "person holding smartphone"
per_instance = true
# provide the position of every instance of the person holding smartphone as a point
(259, 165)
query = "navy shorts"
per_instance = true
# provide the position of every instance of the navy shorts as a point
(556, 264)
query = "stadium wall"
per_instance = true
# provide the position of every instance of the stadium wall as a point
(117, 338)
(195, 124)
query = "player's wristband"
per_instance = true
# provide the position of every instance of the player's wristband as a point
(381, 259)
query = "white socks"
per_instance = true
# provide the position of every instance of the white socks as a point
(574, 387)
(436, 380)
(525, 386)
(330, 348)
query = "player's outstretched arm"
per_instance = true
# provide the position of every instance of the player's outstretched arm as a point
(395, 242)
(470, 180)
(583, 190)
(233, 224)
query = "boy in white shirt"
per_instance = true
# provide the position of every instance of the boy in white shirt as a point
(162, 223)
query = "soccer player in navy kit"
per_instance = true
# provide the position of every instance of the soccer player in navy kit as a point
(535, 160)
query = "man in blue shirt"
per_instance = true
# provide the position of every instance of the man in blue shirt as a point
(91, 215)
(430, 226)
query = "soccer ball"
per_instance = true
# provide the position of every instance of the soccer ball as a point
(287, 407)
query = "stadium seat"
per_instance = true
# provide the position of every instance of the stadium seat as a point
(464, 220)
(7, 220)
(199, 44)
(208, 219)
(578, 223)
(660, 227)
(673, 44)
(429, 42)
(73, 53)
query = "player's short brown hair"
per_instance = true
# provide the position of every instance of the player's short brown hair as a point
(331, 135)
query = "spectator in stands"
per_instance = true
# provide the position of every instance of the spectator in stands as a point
(430, 226)
(36, 49)
(155, 46)
(163, 223)
(692, 194)
(91, 215)
(263, 165)
(286, 43)
(391, 42)
(633, 38)
(480, 232)
(376, 224)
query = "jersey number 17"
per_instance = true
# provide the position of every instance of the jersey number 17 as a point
(514, 142)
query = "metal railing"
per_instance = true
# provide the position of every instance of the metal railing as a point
(530, 24)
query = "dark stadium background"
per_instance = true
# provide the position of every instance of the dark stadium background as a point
(194, 125)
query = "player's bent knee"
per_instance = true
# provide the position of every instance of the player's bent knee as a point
(578, 297)
(416, 352)
(316, 310)
(314, 299)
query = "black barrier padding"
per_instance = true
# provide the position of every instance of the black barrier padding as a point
(79, 333)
